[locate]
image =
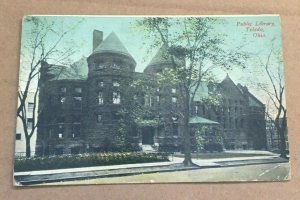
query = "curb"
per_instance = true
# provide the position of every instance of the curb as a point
(26, 180)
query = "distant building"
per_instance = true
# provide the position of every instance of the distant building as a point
(20, 144)
(273, 137)
(81, 106)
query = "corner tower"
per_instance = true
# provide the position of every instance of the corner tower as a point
(111, 69)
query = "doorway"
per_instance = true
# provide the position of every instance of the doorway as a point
(148, 135)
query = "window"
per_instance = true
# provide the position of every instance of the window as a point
(101, 65)
(29, 123)
(99, 118)
(75, 130)
(116, 98)
(203, 110)
(157, 89)
(150, 101)
(116, 84)
(157, 99)
(61, 130)
(115, 66)
(77, 101)
(100, 98)
(175, 129)
(30, 107)
(78, 90)
(174, 99)
(62, 100)
(173, 90)
(50, 133)
(236, 123)
(230, 123)
(18, 136)
(147, 101)
(196, 109)
(242, 123)
(100, 83)
(63, 89)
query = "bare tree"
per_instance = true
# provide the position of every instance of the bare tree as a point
(41, 41)
(275, 88)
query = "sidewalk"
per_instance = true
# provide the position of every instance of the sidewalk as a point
(175, 164)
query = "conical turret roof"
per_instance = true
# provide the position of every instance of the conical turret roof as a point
(112, 44)
(161, 57)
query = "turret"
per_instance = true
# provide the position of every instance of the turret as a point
(111, 69)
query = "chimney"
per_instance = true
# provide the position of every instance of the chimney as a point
(97, 38)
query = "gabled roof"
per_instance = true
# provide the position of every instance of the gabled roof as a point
(112, 44)
(76, 71)
(229, 81)
(253, 101)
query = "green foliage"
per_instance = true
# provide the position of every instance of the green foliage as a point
(206, 140)
(86, 160)
(200, 137)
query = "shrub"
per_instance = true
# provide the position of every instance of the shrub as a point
(86, 160)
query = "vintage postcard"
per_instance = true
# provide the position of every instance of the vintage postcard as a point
(151, 99)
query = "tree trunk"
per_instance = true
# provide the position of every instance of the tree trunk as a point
(28, 148)
(186, 131)
(283, 152)
(281, 132)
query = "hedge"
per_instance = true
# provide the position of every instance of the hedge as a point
(85, 160)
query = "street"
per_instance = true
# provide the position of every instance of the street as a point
(262, 172)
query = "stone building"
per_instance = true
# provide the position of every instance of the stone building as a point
(20, 144)
(87, 106)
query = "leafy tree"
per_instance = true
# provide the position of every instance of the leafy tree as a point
(41, 40)
(194, 49)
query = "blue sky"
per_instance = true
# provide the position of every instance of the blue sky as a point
(236, 35)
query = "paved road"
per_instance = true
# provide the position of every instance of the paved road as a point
(263, 172)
